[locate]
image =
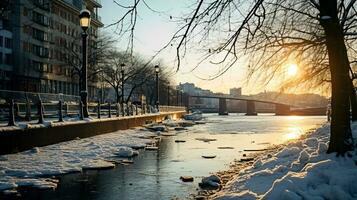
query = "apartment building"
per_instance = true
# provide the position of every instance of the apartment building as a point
(45, 47)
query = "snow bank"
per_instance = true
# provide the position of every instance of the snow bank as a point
(301, 170)
(29, 167)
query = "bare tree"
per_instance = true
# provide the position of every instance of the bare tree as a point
(138, 75)
(99, 49)
(269, 33)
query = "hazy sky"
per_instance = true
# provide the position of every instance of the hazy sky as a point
(154, 30)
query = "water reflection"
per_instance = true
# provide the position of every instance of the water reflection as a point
(293, 133)
(155, 175)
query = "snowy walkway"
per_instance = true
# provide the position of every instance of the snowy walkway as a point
(301, 170)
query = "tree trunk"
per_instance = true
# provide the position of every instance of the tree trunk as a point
(130, 94)
(353, 101)
(341, 136)
(117, 95)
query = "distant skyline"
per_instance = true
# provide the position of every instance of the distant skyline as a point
(154, 30)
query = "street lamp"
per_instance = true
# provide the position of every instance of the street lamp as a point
(168, 94)
(181, 98)
(157, 69)
(122, 87)
(84, 19)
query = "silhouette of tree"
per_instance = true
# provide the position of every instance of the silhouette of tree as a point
(319, 35)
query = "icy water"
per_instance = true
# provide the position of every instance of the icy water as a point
(155, 174)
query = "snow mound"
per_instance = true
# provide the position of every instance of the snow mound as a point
(126, 152)
(301, 170)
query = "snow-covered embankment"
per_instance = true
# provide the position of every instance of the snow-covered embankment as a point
(301, 170)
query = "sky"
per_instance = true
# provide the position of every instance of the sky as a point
(154, 30)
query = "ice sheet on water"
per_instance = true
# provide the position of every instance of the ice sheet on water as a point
(25, 168)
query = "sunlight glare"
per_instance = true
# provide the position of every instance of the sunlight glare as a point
(294, 117)
(294, 133)
(292, 69)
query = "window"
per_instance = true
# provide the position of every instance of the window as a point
(50, 68)
(8, 43)
(44, 4)
(1, 41)
(27, 30)
(40, 18)
(8, 59)
(1, 62)
(36, 65)
(44, 67)
(26, 47)
(41, 35)
(40, 51)
(25, 13)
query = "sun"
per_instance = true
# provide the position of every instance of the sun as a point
(292, 69)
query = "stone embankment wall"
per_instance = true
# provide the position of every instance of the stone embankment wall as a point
(19, 139)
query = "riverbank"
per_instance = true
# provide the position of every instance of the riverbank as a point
(299, 169)
(28, 135)
(41, 167)
(155, 173)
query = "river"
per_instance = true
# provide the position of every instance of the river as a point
(155, 174)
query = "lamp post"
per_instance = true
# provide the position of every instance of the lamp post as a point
(122, 87)
(181, 98)
(168, 94)
(157, 69)
(84, 19)
(177, 97)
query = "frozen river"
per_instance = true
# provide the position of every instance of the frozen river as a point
(155, 175)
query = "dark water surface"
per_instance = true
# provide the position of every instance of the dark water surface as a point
(155, 174)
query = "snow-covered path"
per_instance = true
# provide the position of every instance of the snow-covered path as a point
(301, 170)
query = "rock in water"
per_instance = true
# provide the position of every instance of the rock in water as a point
(180, 128)
(225, 147)
(246, 159)
(212, 181)
(157, 128)
(186, 178)
(35, 150)
(209, 157)
(206, 139)
(151, 148)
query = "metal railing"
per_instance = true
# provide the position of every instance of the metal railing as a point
(36, 107)
(171, 108)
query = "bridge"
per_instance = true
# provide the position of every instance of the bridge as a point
(280, 108)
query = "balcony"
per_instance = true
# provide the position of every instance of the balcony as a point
(43, 4)
(97, 3)
(96, 17)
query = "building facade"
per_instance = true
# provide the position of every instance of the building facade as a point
(45, 48)
(191, 89)
(235, 92)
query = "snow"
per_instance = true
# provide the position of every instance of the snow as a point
(29, 168)
(300, 170)
(126, 152)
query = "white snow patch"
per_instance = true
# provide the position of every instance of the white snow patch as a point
(126, 152)
(26, 168)
(301, 170)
